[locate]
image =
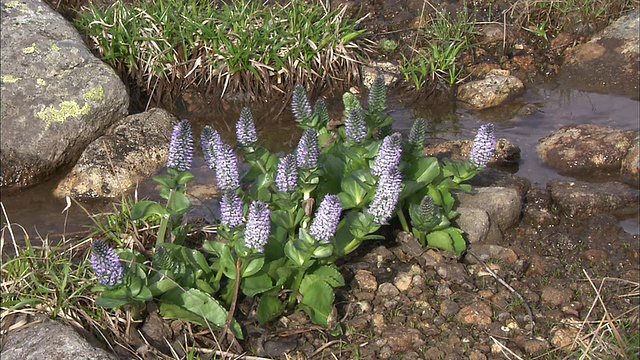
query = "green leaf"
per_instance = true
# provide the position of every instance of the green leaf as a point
(198, 307)
(330, 274)
(110, 303)
(253, 285)
(296, 255)
(184, 177)
(424, 170)
(253, 267)
(145, 208)
(178, 203)
(269, 308)
(441, 240)
(317, 302)
(459, 243)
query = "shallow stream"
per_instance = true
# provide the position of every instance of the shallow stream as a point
(542, 110)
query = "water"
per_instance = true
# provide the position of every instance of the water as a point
(37, 211)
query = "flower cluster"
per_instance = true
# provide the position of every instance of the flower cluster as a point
(428, 209)
(106, 264)
(388, 156)
(227, 168)
(181, 147)
(258, 228)
(308, 150)
(378, 95)
(324, 225)
(211, 143)
(355, 126)
(386, 196)
(161, 260)
(286, 175)
(230, 209)
(300, 105)
(246, 128)
(418, 133)
(320, 109)
(484, 144)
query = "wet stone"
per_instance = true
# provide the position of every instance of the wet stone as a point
(555, 295)
(542, 265)
(580, 199)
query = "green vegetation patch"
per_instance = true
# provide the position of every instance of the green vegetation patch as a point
(243, 47)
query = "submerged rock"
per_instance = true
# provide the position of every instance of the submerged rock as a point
(56, 96)
(495, 89)
(131, 151)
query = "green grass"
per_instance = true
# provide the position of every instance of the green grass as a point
(445, 37)
(242, 47)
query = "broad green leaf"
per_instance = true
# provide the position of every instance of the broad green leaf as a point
(110, 303)
(330, 274)
(269, 308)
(253, 267)
(178, 203)
(441, 240)
(145, 208)
(317, 301)
(253, 285)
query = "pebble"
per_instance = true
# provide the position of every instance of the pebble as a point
(477, 313)
(555, 295)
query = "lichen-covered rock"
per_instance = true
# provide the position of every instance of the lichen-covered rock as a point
(56, 96)
(629, 168)
(132, 150)
(506, 153)
(581, 199)
(609, 62)
(586, 149)
(495, 89)
(49, 340)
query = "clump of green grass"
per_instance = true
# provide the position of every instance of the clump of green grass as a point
(244, 46)
(546, 18)
(445, 37)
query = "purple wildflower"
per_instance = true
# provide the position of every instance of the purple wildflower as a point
(324, 225)
(227, 168)
(484, 144)
(428, 209)
(386, 196)
(181, 147)
(246, 128)
(308, 150)
(388, 156)
(256, 234)
(286, 175)
(355, 127)
(300, 105)
(230, 209)
(211, 143)
(106, 264)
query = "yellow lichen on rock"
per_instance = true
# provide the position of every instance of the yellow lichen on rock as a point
(66, 110)
(94, 94)
(10, 79)
(41, 82)
(30, 49)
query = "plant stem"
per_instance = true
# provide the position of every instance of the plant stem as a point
(403, 220)
(296, 284)
(234, 300)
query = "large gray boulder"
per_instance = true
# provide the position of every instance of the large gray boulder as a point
(49, 340)
(134, 149)
(56, 96)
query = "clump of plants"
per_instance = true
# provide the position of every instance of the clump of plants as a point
(445, 36)
(243, 46)
(286, 219)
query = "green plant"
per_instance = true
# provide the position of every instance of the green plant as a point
(242, 46)
(284, 221)
(388, 45)
(446, 37)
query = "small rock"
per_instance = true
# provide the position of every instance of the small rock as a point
(564, 337)
(542, 265)
(595, 256)
(403, 281)
(532, 346)
(434, 353)
(366, 281)
(388, 290)
(555, 295)
(476, 354)
(477, 313)
(388, 70)
(402, 339)
(449, 308)
(378, 321)
(629, 166)
(486, 252)
(496, 89)
(455, 273)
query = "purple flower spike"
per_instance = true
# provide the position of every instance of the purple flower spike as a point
(324, 225)
(211, 143)
(246, 128)
(287, 175)
(181, 147)
(484, 145)
(355, 126)
(308, 150)
(106, 264)
(258, 227)
(386, 196)
(227, 168)
(388, 156)
(231, 209)
(300, 105)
